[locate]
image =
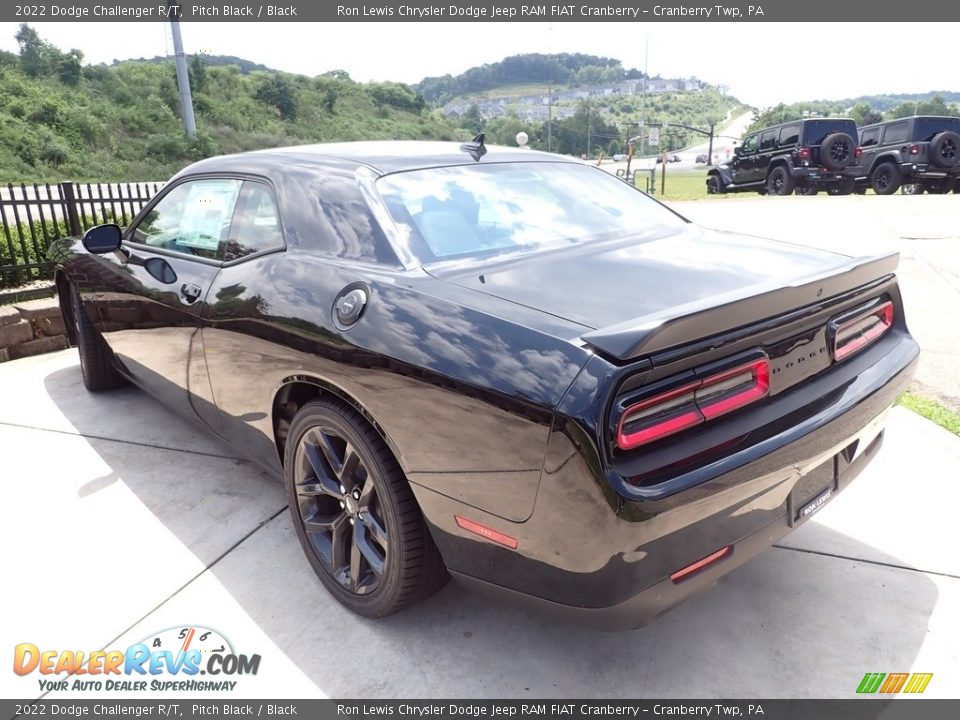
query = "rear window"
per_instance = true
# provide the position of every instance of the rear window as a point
(814, 131)
(929, 128)
(479, 211)
(790, 135)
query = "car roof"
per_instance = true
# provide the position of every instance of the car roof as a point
(799, 121)
(951, 118)
(383, 156)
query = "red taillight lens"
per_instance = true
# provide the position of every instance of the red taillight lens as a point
(853, 335)
(804, 153)
(693, 403)
(914, 149)
(858, 153)
(733, 389)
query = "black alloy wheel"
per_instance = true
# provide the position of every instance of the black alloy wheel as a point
(843, 187)
(780, 182)
(939, 187)
(809, 190)
(945, 149)
(714, 186)
(885, 179)
(355, 514)
(836, 151)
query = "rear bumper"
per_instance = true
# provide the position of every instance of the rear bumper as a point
(589, 555)
(665, 594)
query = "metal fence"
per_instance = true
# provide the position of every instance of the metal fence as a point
(35, 215)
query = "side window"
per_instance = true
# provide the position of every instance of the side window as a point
(897, 132)
(869, 137)
(768, 140)
(749, 145)
(789, 135)
(193, 218)
(256, 224)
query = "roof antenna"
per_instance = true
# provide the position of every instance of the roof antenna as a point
(475, 147)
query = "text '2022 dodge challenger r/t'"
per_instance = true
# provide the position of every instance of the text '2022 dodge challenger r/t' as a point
(496, 364)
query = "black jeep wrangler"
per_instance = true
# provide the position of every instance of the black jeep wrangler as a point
(922, 152)
(807, 155)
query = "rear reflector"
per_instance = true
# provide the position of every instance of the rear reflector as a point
(488, 533)
(693, 403)
(694, 568)
(853, 335)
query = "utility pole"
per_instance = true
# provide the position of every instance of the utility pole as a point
(710, 151)
(183, 77)
(589, 128)
(550, 116)
(643, 107)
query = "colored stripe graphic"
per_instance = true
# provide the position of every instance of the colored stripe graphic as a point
(894, 682)
(870, 682)
(918, 682)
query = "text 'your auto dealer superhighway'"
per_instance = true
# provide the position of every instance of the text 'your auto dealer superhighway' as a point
(544, 11)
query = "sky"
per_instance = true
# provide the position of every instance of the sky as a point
(834, 61)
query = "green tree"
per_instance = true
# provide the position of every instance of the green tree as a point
(198, 73)
(70, 69)
(279, 92)
(37, 57)
(864, 114)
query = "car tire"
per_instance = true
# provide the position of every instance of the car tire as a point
(939, 187)
(714, 185)
(355, 514)
(780, 181)
(808, 191)
(837, 151)
(912, 189)
(945, 149)
(96, 359)
(885, 178)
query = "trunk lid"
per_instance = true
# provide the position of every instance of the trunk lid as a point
(647, 295)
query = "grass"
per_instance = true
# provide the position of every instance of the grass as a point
(684, 185)
(931, 410)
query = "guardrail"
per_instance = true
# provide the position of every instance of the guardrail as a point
(34, 215)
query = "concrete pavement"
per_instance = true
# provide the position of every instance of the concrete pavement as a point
(120, 520)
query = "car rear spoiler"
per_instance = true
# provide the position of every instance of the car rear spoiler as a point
(721, 313)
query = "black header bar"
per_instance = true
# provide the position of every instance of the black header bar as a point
(637, 11)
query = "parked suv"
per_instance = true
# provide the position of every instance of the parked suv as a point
(922, 151)
(808, 155)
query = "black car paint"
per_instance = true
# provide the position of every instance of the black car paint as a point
(494, 406)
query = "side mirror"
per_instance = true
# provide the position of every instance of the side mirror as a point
(738, 151)
(102, 239)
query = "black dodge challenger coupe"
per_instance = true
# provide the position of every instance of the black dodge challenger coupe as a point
(497, 364)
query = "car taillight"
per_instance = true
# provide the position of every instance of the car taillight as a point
(858, 153)
(852, 335)
(805, 153)
(914, 149)
(693, 403)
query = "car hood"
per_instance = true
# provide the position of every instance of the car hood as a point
(652, 280)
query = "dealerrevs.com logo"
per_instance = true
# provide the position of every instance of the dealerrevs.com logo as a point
(172, 660)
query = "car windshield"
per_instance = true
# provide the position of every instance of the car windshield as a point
(479, 211)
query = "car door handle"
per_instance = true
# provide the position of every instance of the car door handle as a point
(190, 293)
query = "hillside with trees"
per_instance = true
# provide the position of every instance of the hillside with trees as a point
(532, 68)
(60, 119)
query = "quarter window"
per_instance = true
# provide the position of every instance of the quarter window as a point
(193, 218)
(768, 140)
(898, 132)
(790, 135)
(869, 137)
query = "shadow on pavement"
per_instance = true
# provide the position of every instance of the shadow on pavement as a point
(788, 624)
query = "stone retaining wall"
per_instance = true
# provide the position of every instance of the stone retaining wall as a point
(30, 328)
